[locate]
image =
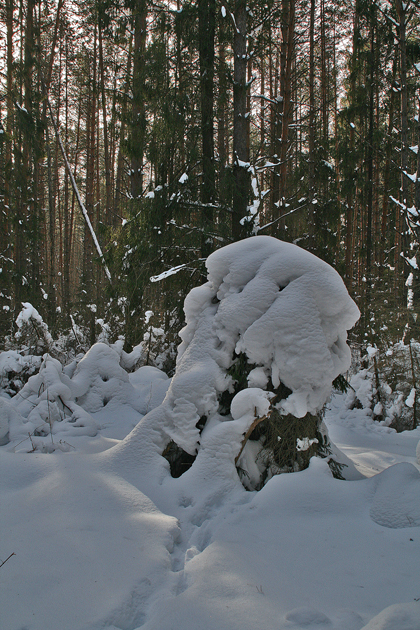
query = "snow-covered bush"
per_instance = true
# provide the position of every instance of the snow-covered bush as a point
(388, 385)
(264, 339)
(159, 349)
(15, 369)
(32, 331)
(25, 349)
(399, 386)
(60, 402)
(23, 353)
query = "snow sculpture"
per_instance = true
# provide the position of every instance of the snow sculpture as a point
(269, 325)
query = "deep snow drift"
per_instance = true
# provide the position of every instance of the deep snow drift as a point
(105, 538)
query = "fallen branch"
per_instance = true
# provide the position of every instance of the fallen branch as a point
(256, 422)
(75, 188)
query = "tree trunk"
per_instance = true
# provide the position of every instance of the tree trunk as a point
(138, 125)
(387, 167)
(67, 209)
(417, 186)
(311, 123)
(222, 141)
(400, 241)
(119, 177)
(108, 191)
(206, 30)
(369, 156)
(91, 130)
(240, 126)
(286, 106)
(351, 196)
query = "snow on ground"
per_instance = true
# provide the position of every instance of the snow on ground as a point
(96, 534)
(93, 552)
(372, 446)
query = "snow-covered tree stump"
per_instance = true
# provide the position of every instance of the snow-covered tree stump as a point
(264, 339)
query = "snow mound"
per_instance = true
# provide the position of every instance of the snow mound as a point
(151, 385)
(7, 416)
(397, 617)
(12, 361)
(288, 311)
(396, 502)
(270, 316)
(253, 401)
(99, 378)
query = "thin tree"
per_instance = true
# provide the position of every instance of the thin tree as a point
(240, 125)
(206, 34)
(138, 123)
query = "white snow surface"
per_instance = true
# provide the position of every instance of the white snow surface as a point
(104, 538)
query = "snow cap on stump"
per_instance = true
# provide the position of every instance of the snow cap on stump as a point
(282, 307)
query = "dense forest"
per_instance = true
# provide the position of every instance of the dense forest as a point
(138, 137)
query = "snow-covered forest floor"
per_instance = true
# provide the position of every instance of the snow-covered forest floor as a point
(99, 546)
(131, 500)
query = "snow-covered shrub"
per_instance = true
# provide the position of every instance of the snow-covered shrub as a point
(400, 388)
(389, 385)
(159, 349)
(264, 339)
(32, 331)
(15, 370)
(153, 342)
(24, 350)
(60, 402)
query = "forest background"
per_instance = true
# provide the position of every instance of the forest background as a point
(137, 137)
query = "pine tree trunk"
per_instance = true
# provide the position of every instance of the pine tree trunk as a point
(369, 156)
(351, 197)
(387, 167)
(91, 130)
(417, 186)
(311, 123)
(286, 108)
(138, 125)
(68, 212)
(206, 31)
(240, 126)
(108, 191)
(222, 141)
(400, 241)
(119, 177)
